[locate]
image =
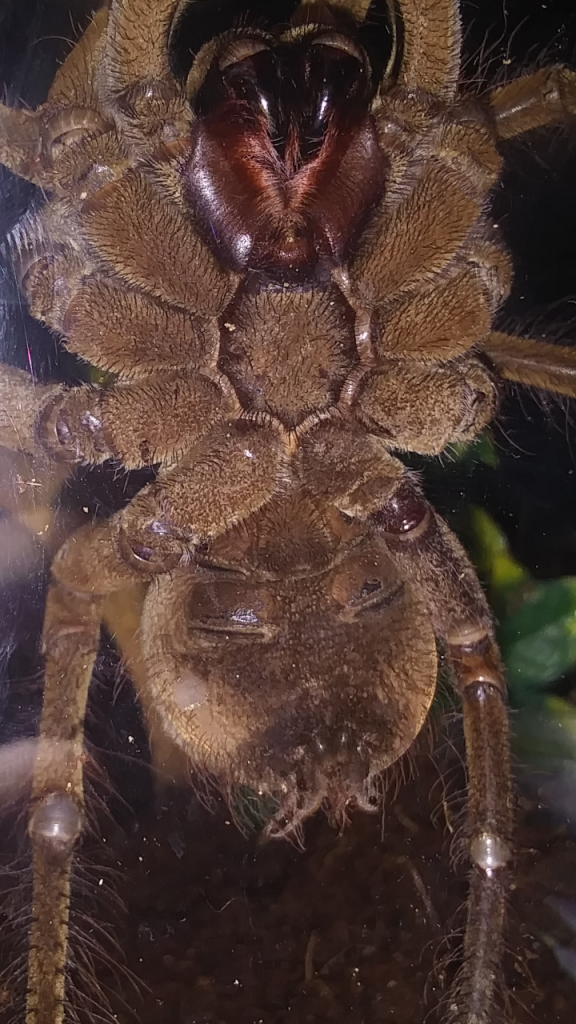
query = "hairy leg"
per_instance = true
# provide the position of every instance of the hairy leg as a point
(431, 59)
(88, 567)
(546, 97)
(70, 642)
(31, 141)
(537, 364)
(135, 82)
(455, 402)
(431, 557)
(136, 424)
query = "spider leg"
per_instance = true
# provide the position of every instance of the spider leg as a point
(93, 92)
(125, 332)
(428, 266)
(221, 481)
(91, 564)
(71, 635)
(20, 142)
(431, 39)
(135, 424)
(478, 680)
(27, 137)
(90, 424)
(357, 8)
(416, 242)
(133, 335)
(225, 476)
(54, 148)
(534, 363)
(431, 557)
(20, 402)
(534, 101)
(455, 402)
(75, 81)
(159, 253)
(136, 82)
(440, 323)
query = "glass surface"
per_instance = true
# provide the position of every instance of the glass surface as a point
(185, 917)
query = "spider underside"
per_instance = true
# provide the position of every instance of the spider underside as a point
(270, 275)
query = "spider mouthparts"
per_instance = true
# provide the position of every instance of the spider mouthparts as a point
(272, 154)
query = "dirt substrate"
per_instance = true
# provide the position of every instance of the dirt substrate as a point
(225, 930)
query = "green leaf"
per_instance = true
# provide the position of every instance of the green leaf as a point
(538, 641)
(481, 449)
(101, 377)
(537, 620)
(547, 736)
(507, 580)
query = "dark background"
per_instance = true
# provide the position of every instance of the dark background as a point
(218, 927)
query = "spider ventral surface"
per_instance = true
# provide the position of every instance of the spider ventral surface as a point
(276, 248)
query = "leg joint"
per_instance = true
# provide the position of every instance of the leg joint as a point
(489, 851)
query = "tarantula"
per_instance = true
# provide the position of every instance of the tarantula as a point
(283, 259)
